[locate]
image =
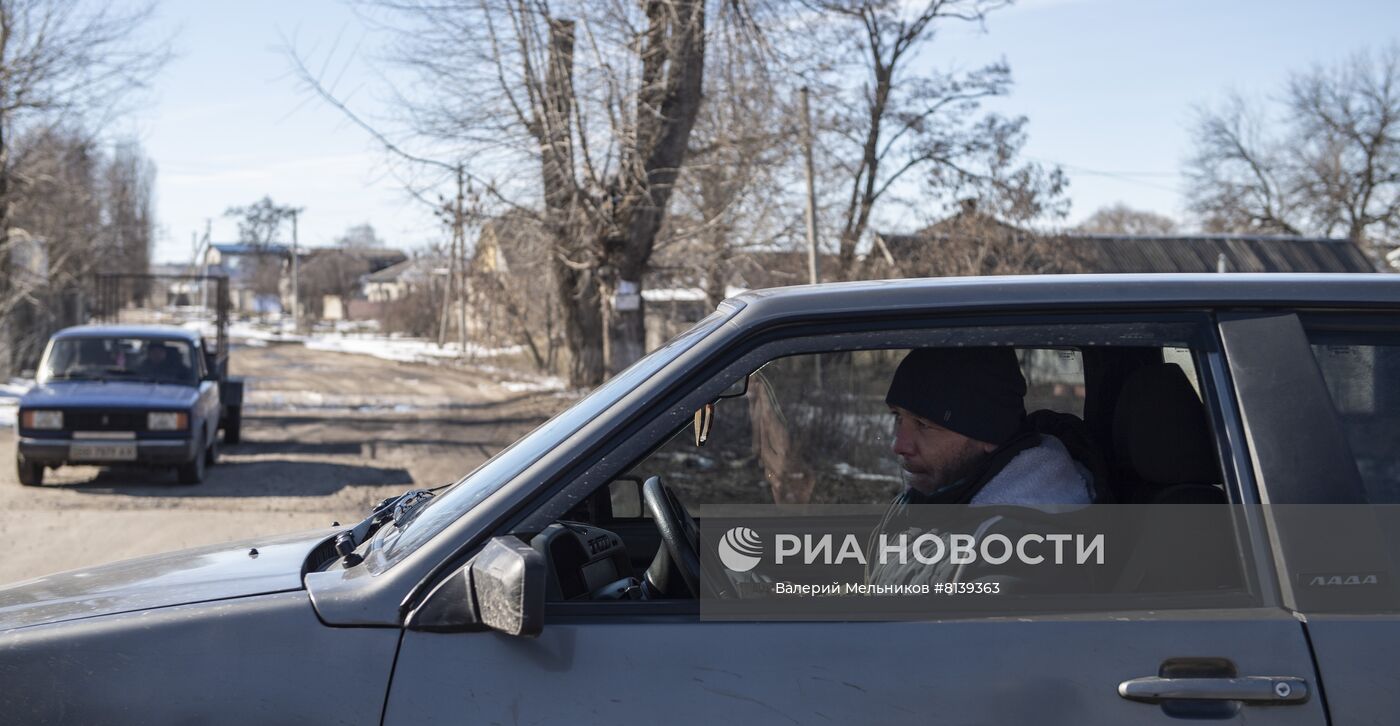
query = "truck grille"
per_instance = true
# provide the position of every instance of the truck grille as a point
(89, 420)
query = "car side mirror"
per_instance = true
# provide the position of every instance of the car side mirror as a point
(501, 589)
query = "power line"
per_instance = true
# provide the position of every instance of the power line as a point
(1126, 176)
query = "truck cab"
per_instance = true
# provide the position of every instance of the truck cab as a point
(122, 394)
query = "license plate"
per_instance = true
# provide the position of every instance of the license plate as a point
(102, 452)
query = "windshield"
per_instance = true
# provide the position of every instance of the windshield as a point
(152, 360)
(492, 475)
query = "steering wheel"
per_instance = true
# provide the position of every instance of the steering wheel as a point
(679, 535)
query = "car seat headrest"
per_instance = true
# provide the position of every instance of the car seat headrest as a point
(1160, 428)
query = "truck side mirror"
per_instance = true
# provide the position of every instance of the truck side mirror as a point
(501, 589)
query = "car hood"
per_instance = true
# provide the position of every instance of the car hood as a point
(177, 578)
(114, 394)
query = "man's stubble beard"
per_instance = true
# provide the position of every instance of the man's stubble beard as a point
(966, 460)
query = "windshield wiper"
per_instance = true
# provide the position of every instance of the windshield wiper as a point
(394, 509)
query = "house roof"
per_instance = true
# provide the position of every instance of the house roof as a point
(1120, 254)
(1241, 253)
(377, 258)
(240, 248)
(414, 268)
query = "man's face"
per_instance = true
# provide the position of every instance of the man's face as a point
(934, 456)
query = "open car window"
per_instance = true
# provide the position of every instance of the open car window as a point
(802, 427)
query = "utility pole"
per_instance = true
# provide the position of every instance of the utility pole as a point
(296, 275)
(459, 232)
(203, 265)
(813, 275)
(455, 213)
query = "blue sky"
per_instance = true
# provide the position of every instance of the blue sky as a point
(1109, 86)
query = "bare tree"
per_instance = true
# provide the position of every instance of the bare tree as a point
(55, 176)
(1240, 180)
(1329, 165)
(260, 223)
(330, 272)
(600, 98)
(1120, 218)
(513, 254)
(360, 235)
(76, 210)
(129, 190)
(899, 121)
(734, 195)
(60, 58)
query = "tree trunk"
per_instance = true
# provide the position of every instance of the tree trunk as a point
(574, 281)
(625, 320)
(583, 323)
(8, 334)
(673, 66)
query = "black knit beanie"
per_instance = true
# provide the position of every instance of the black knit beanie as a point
(977, 392)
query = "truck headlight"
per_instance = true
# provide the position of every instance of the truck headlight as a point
(52, 420)
(167, 421)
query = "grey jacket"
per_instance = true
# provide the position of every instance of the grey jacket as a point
(1042, 477)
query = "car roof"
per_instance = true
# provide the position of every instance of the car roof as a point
(167, 332)
(1096, 292)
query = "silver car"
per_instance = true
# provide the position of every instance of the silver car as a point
(577, 576)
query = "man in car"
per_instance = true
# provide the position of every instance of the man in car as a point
(962, 437)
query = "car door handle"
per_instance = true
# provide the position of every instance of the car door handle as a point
(1252, 689)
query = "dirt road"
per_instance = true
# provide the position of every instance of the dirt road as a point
(325, 436)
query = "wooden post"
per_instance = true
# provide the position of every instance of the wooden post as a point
(813, 274)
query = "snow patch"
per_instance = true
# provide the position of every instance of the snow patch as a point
(9, 399)
(403, 350)
(15, 388)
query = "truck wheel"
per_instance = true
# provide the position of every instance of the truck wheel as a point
(30, 473)
(192, 472)
(233, 425)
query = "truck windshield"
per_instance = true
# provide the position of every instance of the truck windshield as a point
(151, 360)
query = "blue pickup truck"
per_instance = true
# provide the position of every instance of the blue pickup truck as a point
(125, 394)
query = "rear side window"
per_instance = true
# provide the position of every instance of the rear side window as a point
(1362, 371)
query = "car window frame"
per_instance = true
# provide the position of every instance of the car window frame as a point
(706, 383)
(1320, 470)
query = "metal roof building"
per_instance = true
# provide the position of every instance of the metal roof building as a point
(1126, 254)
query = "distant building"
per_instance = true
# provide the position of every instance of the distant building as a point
(260, 276)
(255, 274)
(973, 243)
(398, 281)
(336, 275)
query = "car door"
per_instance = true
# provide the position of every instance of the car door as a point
(1179, 655)
(207, 405)
(1333, 495)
